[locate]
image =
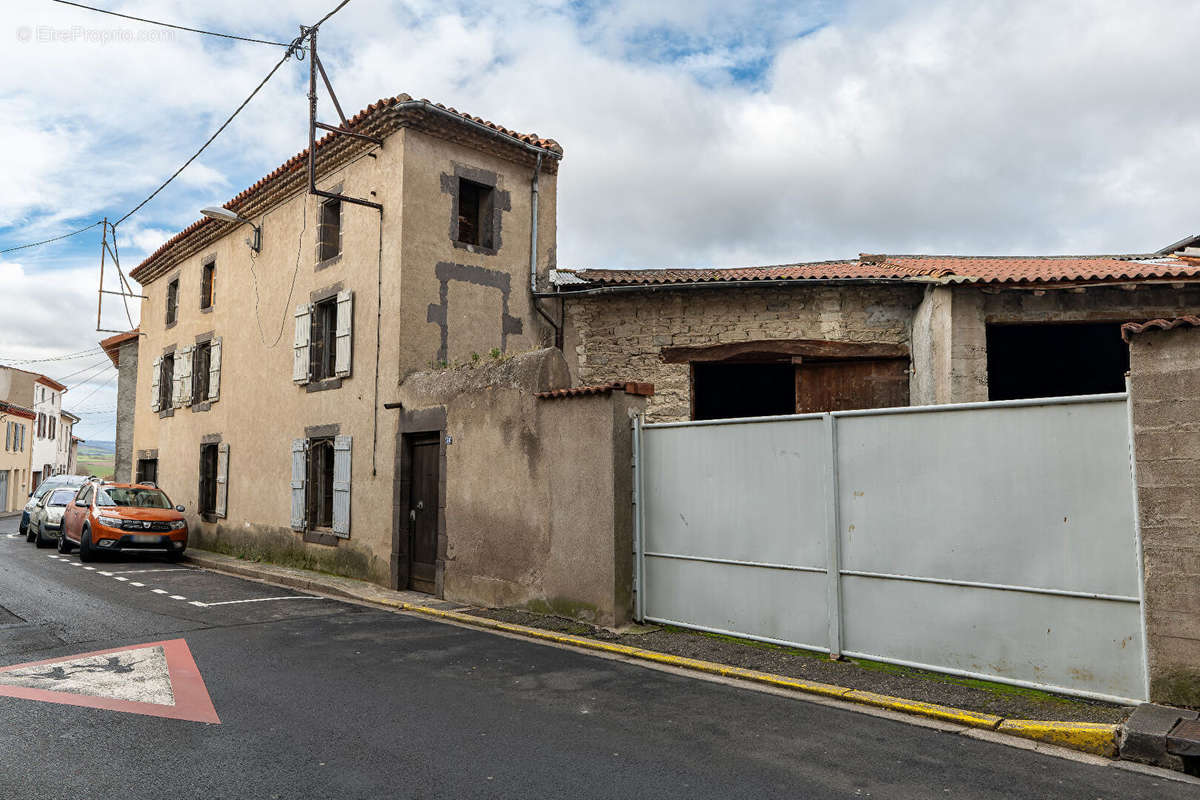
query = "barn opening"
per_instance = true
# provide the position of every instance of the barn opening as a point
(1055, 360)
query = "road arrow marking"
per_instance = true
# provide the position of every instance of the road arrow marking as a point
(159, 679)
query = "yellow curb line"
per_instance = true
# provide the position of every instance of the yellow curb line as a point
(1087, 737)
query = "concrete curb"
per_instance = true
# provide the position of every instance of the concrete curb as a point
(1086, 737)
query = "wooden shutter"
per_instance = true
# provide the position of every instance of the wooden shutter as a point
(345, 333)
(183, 377)
(222, 479)
(214, 370)
(303, 329)
(299, 471)
(154, 386)
(341, 486)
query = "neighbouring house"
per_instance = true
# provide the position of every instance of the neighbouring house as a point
(15, 485)
(122, 350)
(870, 332)
(262, 376)
(48, 437)
(73, 461)
(65, 443)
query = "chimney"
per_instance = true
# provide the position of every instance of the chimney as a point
(872, 258)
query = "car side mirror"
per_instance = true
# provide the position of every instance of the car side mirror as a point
(81, 503)
(180, 509)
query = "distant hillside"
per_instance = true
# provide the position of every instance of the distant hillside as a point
(97, 458)
(97, 448)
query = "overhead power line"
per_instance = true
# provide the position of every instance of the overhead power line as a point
(65, 357)
(88, 396)
(48, 241)
(170, 25)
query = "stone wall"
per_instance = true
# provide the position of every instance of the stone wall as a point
(1165, 383)
(127, 372)
(619, 336)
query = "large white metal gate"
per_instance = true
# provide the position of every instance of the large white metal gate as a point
(993, 540)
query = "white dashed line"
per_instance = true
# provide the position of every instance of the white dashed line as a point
(178, 597)
(264, 599)
(90, 568)
(105, 574)
(119, 578)
(159, 591)
(198, 603)
(147, 571)
(135, 583)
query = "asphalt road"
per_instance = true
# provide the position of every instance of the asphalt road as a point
(323, 699)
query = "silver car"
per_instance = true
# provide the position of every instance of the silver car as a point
(35, 497)
(45, 521)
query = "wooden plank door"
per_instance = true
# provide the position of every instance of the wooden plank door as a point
(424, 458)
(845, 385)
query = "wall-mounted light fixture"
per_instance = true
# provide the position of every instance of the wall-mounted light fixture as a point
(225, 215)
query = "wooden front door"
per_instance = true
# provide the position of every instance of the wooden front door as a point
(423, 458)
(845, 385)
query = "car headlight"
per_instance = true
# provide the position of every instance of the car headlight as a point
(112, 522)
(177, 524)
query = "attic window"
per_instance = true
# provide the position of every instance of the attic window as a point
(329, 230)
(475, 213)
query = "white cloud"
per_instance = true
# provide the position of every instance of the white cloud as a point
(989, 127)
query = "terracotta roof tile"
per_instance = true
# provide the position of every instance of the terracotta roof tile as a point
(16, 410)
(915, 268)
(112, 345)
(1129, 329)
(629, 387)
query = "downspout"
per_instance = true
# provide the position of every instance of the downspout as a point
(534, 192)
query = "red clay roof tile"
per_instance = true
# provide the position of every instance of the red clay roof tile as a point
(1130, 328)
(629, 387)
(916, 268)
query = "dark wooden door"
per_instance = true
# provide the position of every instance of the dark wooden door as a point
(424, 457)
(844, 385)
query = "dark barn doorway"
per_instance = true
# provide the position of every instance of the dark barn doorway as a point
(1055, 360)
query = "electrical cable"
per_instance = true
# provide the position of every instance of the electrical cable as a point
(224, 125)
(55, 239)
(98, 388)
(176, 27)
(65, 357)
(95, 369)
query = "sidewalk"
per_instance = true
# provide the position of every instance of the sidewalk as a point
(1089, 726)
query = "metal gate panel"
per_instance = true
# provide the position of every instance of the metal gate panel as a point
(1071, 644)
(1024, 495)
(733, 522)
(995, 540)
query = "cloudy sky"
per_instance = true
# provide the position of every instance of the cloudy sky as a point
(697, 132)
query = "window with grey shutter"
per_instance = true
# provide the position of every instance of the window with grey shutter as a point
(299, 469)
(222, 503)
(300, 348)
(345, 333)
(214, 370)
(183, 378)
(341, 486)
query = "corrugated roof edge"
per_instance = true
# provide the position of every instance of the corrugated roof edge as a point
(628, 387)
(1129, 329)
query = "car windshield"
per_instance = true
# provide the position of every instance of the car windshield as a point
(133, 498)
(61, 497)
(43, 488)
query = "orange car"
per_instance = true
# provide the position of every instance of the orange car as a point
(113, 517)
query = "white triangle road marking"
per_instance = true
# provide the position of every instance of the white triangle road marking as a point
(139, 675)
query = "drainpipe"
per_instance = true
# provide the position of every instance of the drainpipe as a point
(533, 245)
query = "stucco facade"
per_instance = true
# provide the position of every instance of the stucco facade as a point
(419, 298)
(16, 426)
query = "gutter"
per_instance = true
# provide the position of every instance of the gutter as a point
(657, 287)
(534, 194)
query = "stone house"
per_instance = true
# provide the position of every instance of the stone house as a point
(122, 350)
(875, 331)
(267, 370)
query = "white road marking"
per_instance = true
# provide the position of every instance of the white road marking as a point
(198, 603)
(264, 599)
(159, 591)
(141, 675)
(145, 571)
(53, 556)
(91, 568)
(178, 597)
(135, 583)
(119, 578)
(105, 574)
